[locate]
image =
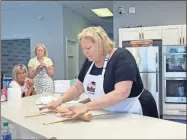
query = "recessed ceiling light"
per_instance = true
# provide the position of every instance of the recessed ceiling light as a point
(102, 12)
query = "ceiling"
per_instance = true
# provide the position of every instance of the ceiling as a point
(81, 7)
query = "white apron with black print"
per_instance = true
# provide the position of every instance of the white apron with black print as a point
(93, 87)
(43, 83)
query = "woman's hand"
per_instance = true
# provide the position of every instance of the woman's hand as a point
(50, 106)
(75, 112)
(39, 68)
(43, 65)
(30, 82)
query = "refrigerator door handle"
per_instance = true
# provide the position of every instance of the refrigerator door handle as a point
(157, 82)
(156, 62)
(157, 73)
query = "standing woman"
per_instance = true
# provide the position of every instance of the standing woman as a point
(110, 77)
(41, 70)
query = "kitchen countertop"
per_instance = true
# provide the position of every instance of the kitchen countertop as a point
(113, 126)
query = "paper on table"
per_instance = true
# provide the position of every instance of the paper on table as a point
(72, 102)
(46, 99)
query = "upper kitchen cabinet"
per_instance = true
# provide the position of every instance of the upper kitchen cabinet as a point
(127, 34)
(151, 33)
(174, 35)
(142, 33)
(170, 35)
(183, 34)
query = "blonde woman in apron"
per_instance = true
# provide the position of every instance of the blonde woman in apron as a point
(41, 70)
(110, 77)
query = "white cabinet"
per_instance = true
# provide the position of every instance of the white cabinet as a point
(151, 33)
(174, 35)
(128, 34)
(170, 35)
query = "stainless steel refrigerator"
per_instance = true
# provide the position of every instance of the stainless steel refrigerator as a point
(147, 59)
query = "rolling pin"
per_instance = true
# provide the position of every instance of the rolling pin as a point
(61, 109)
(85, 117)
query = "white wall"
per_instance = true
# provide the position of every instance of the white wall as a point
(73, 23)
(22, 22)
(149, 13)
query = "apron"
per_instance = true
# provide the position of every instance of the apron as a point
(93, 87)
(43, 83)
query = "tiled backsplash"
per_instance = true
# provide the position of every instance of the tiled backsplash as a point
(15, 51)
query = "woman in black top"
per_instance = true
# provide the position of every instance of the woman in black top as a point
(110, 77)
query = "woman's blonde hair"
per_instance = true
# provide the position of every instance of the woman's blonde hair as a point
(43, 46)
(98, 36)
(18, 68)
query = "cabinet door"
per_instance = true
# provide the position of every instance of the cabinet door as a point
(183, 34)
(171, 35)
(151, 33)
(127, 34)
